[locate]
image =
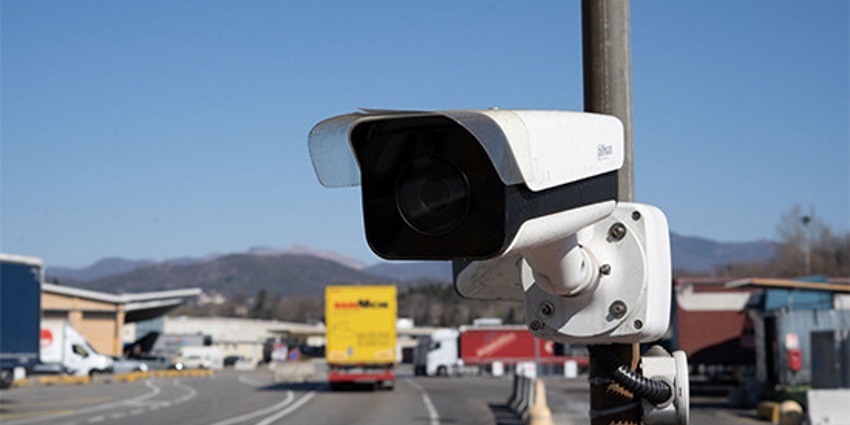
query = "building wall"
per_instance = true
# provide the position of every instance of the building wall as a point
(801, 324)
(708, 314)
(99, 322)
(702, 329)
(235, 336)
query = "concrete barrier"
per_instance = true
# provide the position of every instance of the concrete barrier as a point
(528, 401)
(297, 371)
(828, 406)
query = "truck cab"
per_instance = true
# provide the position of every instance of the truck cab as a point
(437, 354)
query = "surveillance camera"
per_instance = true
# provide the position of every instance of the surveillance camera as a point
(523, 202)
(471, 184)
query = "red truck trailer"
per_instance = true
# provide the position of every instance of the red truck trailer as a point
(446, 350)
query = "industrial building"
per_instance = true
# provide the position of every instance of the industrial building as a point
(101, 317)
(763, 336)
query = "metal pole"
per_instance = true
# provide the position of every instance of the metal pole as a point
(608, 72)
(607, 89)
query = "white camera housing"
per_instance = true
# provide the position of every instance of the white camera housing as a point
(523, 202)
(471, 184)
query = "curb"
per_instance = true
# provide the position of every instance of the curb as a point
(106, 379)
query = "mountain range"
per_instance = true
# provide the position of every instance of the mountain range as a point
(304, 271)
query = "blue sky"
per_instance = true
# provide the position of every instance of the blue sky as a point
(160, 129)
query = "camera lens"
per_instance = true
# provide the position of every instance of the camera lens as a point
(432, 195)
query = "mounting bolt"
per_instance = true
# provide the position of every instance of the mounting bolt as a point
(638, 324)
(618, 309)
(536, 325)
(605, 269)
(636, 215)
(617, 231)
(547, 309)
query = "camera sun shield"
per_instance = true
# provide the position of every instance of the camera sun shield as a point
(470, 184)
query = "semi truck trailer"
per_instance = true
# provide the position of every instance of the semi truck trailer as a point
(446, 351)
(20, 309)
(361, 335)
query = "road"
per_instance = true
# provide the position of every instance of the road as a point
(231, 398)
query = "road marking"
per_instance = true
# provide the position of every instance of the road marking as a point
(252, 415)
(251, 382)
(69, 412)
(192, 393)
(433, 414)
(293, 407)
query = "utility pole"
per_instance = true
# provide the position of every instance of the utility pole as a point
(606, 55)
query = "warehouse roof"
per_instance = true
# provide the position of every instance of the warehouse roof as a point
(138, 306)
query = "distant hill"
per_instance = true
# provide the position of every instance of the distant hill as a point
(286, 274)
(305, 271)
(700, 255)
(103, 268)
(413, 271)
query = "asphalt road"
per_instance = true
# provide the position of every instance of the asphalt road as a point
(231, 398)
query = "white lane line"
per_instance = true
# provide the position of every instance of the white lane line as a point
(293, 407)
(433, 414)
(432, 411)
(252, 415)
(190, 395)
(154, 391)
(252, 382)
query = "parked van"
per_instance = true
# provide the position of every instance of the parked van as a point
(61, 344)
(203, 357)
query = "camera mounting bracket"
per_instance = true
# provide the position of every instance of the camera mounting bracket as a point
(623, 295)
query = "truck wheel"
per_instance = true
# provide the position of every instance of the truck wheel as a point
(442, 371)
(6, 378)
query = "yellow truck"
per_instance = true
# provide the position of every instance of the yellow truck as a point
(361, 335)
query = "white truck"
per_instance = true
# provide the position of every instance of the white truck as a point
(61, 344)
(437, 354)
